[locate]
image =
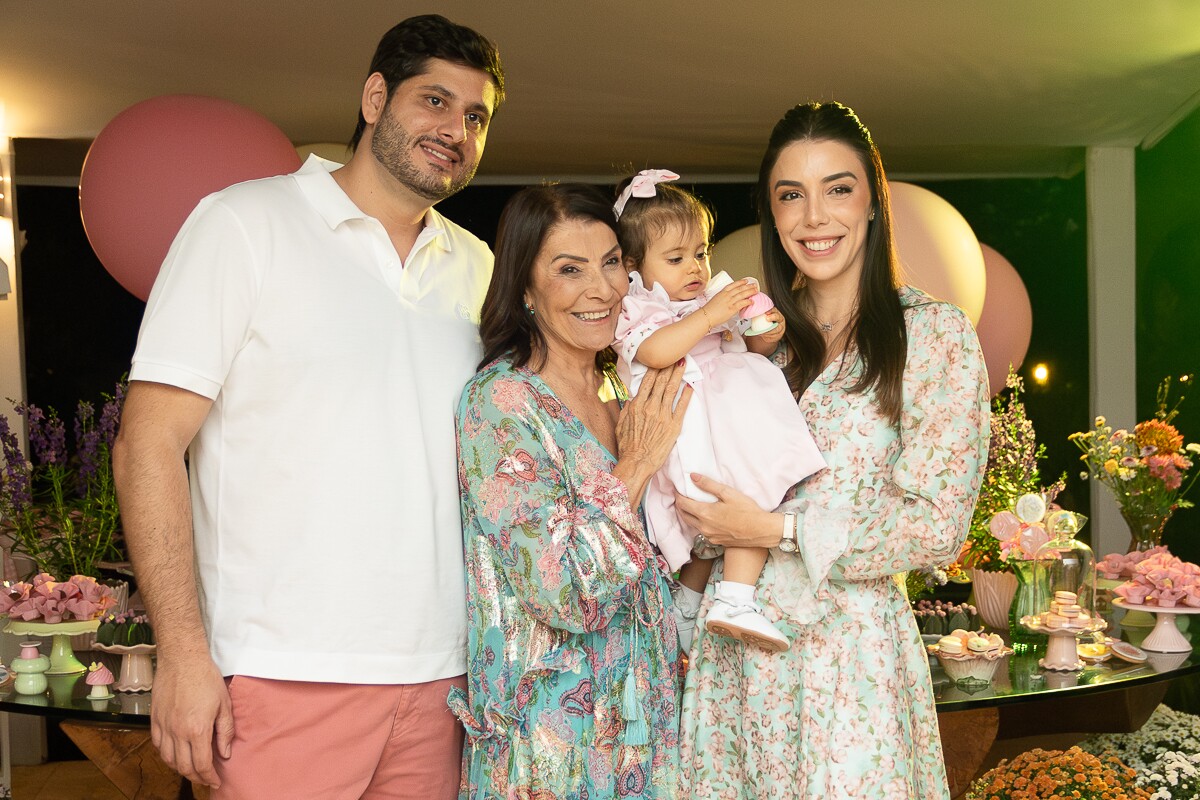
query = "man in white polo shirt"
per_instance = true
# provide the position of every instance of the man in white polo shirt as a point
(305, 345)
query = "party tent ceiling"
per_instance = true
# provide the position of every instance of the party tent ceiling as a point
(949, 88)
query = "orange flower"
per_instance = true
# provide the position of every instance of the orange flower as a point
(1164, 438)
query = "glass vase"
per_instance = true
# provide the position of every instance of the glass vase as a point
(1026, 601)
(1145, 530)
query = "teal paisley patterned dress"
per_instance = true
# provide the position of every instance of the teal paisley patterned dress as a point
(572, 683)
(848, 711)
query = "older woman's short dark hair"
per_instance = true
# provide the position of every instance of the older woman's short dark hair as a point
(506, 327)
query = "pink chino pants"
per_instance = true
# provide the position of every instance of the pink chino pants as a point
(338, 741)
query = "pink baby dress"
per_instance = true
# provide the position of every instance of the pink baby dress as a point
(742, 427)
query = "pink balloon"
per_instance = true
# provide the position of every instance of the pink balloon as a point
(937, 247)
(1006, 323)
(154, 162)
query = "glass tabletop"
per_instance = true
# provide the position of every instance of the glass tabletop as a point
(67, 697)
(1022, 680)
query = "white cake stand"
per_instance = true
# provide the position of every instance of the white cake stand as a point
(1165, 638)
(1062, 653)
(137, 670)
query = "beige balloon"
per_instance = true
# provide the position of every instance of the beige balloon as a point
(939, 253)
(739, 254)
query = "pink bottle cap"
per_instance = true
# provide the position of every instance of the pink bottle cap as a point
(30, 649)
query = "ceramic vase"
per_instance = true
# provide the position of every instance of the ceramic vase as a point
(31, 668)
(994, 596)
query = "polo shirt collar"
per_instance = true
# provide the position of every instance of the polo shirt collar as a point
(335, 207)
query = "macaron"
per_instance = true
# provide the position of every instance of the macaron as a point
(1066, 598)
(979, 644)
(950, 645)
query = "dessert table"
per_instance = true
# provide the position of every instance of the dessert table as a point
(1022, 701)
(114, 734)
(1025, 701)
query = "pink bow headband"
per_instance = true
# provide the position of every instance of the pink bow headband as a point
(642, 185)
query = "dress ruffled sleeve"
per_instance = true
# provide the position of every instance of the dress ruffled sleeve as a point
(643, 311)
(918, 518)
(569, 544)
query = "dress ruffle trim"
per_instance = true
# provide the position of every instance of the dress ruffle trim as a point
(801, 578)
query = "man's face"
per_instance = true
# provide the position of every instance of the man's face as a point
(431, 132)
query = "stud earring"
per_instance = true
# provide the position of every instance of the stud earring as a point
(529, 308)
(871, 218)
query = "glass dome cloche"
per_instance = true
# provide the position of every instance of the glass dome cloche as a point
(1065, 585)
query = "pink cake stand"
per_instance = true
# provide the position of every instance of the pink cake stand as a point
(1165, 638)
(1062, 653)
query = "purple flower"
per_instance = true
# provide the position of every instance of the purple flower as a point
(87, 441)
(47, 435)
(15, 494)
(110, 415)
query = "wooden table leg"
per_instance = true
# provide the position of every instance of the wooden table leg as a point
(127, 758)
(967, 736)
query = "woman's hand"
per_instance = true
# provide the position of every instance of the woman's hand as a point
(648, 427)
(734, 520)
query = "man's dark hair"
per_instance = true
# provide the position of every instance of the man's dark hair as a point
(406, 49)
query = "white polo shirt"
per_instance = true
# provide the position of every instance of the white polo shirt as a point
(324, 479)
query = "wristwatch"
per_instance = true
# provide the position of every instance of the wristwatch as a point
(787, 542)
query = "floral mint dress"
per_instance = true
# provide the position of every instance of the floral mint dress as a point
(848, 711)
(572, 680)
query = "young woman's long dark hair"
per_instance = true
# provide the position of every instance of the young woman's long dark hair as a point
(506, 327)
(877, 329)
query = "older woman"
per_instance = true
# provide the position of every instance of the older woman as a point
(573, 661)
(893, 386)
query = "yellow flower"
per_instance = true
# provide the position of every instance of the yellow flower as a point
(1110, 466)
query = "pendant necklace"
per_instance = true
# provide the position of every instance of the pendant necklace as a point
(827, 327)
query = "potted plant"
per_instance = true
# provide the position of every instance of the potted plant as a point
(59, 507)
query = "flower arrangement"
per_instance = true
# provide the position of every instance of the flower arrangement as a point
(1011, 472)
(1165, 753)
(1147, 470)
(1058, 774)
(60, 509)
(924, 582)
(48, 600)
